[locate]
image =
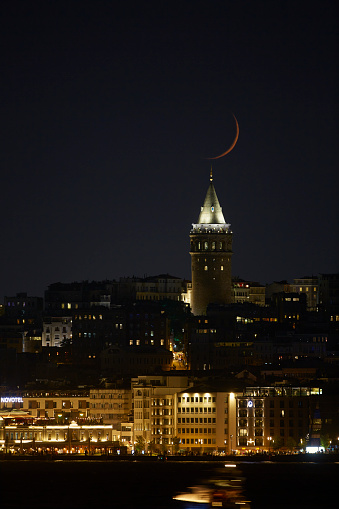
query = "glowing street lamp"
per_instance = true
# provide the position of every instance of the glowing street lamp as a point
(269, 443)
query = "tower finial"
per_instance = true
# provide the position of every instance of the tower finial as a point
(211, 175)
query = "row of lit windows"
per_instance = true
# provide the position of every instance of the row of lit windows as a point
(196, 399)
(197, 431)
(106, 395)
(198, 441)
(196, 420)
(206, 246)
(89, 317)
(196, 410)
(145, 342)
(116, 406)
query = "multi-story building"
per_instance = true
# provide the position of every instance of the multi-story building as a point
(291, 307)
(269, 417)
(101, 325)
(64, 406)
(255, 420)
(160, 287)
(276, 287)
(147, 325)
(211, 253)
(23, 307)
(56, 330)
(155, 410)
(111, 406)
(291, 347)
(329, 295)
(206, 420)
(309, 286)
(135, 359)
(20, 432)
(168, 411)
(248, 291)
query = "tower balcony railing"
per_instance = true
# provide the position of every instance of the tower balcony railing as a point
(210, 228)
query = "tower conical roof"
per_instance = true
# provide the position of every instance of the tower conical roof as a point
(211, 211)
(211, 217)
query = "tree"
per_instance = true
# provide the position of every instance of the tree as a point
(325, 441)
(176, 444)
(139, 444)
(291, 444)
(277, 443)
(152, 447)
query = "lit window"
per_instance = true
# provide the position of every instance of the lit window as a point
(205, 268)
(222, 267)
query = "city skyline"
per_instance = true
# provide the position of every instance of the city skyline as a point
(109, 116)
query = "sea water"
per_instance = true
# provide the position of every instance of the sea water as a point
(152, 485)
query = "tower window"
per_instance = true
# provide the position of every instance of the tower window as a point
(213, 245)
(205, 268)
(220, 245)
(212, 208)
(206, 245)
(222, 267)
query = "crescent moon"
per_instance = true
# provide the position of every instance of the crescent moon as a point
(233, 144)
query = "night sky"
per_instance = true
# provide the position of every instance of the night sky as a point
(109, 111)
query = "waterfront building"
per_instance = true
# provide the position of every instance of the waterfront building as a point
(110, 406)
(62, 405)
(20, 432)
(164, 414)
(257, 419)
(154, 408)
(206, 420)
(274, 417)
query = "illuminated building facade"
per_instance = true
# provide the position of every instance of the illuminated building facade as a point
(20, 432)
(166, 413)
(206, 421)
(56, 330)
(60, 405)
(154, 406)
(255, 420)
(110, 406)
(211, 252)
(269, 417)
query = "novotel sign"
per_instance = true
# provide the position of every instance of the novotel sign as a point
(12, 400)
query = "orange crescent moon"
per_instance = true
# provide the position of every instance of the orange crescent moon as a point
(233, 144)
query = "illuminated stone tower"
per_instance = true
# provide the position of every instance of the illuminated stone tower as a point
(211, 252)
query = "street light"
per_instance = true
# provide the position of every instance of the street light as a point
(269, 444)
